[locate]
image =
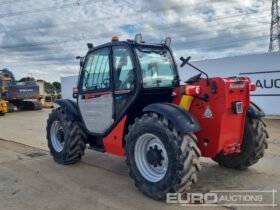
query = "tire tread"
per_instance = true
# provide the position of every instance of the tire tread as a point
(186, 151)
(74, 133)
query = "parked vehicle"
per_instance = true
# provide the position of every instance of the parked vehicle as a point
(130, 103)
(24, 94)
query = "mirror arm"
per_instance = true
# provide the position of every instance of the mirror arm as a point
(207, 77)
(186, 61)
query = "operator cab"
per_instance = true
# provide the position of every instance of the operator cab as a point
(122, 77)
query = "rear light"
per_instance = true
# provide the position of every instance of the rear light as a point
(191, 90)
(75, 90)
(253, 87)
(115, 39)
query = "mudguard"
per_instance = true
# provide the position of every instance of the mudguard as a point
(183, 120)
(255, 111)
(71, 109)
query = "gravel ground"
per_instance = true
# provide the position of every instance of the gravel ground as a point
(29, 179)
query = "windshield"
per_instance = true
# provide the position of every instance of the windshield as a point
(157, 67)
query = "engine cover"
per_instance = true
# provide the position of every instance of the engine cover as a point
(220, 109)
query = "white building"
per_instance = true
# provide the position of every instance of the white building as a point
(263, 69)
(67, 85)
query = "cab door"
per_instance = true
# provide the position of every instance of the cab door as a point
(95, 100)
(124, 79)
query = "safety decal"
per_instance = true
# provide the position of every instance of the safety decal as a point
(208, 113)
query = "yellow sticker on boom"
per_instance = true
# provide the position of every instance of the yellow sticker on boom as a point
(186, 102)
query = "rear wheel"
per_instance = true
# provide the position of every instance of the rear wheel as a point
(160, 159)
(66, 138)
(37, 105)
(252, 148)
(30, 105)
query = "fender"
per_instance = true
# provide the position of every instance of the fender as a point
(255, 111)
(180, 118)
(71, 109)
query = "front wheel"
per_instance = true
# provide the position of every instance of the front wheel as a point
(66, 138)
(160, 159)
(252, 148)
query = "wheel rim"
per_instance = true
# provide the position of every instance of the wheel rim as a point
(57, 136)
(151, 157)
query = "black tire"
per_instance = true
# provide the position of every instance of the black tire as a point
(183, 155)
(252, 148)
(10, 107)
(30, 105)
(37, 105)
(74, 138)
(2, 113)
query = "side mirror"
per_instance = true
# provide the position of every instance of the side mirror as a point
(184, 61)
(188, 59)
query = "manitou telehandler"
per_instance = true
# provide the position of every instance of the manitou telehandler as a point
(130, 103)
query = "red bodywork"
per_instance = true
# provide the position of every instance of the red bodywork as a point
(113, 142)
(221, 128)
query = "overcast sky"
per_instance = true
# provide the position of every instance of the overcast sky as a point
(42, 37)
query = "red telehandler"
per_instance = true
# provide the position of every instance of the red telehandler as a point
(129, 102)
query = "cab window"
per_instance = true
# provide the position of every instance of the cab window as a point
(123, 69)
(97, 71)
(124, 77)
(157, 67)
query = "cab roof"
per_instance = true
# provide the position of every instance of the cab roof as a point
(131, 43)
